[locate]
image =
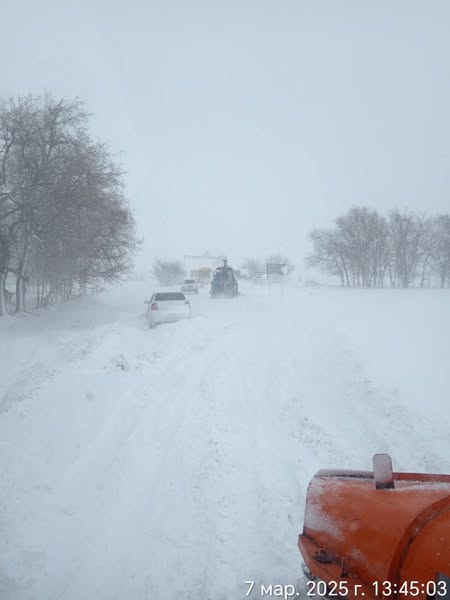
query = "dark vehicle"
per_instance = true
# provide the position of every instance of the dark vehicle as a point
(224, 282)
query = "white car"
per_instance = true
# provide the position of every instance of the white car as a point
(189, 286)
(167, 307)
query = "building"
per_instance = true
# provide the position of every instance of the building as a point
(201, 268)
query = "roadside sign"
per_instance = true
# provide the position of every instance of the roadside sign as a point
(276, 268)
(275, 272)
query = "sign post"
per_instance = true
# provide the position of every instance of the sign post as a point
(275, 271)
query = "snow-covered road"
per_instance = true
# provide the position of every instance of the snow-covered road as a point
(173, 463)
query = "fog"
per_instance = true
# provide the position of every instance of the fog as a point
(158, 438)
(244, 124)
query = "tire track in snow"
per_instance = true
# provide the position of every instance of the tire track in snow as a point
(159, 409)
(233, 494)
(192, 481)
(113, 458)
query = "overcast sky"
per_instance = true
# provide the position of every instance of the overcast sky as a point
(244, 123)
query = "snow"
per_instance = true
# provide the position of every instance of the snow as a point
(173, 463)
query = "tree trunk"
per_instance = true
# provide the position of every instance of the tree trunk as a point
(2, 294)
(21, 271)
(20, 294)
(344, 267)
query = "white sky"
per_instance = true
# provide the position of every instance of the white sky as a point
(243, 124)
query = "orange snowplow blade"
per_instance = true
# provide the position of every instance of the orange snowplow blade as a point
(377, 532)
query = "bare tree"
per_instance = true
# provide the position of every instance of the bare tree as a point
(64, 219)
(407, 234)
(329, 254)
(427, 252)
(442, 249)
(167, 272)
(365, 246)
(362, 233)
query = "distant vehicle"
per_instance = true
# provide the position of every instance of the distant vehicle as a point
(204, 275)
(224, 282)
(167, 307)
(189, 286)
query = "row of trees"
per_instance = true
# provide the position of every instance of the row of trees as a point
(65, 225)
(366, 249)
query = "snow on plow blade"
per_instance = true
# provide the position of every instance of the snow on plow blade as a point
(370, 532)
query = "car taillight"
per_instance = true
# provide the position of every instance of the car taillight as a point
(154, 306)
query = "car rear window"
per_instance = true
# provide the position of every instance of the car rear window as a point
(169, 296)
(189, 281)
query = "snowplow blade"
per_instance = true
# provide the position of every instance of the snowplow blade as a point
(378, 531)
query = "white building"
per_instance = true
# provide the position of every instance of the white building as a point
(202, 267)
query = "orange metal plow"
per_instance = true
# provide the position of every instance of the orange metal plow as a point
(377, 534)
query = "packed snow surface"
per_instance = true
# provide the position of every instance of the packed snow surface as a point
(173, 463)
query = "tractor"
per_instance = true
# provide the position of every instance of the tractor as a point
(224, 282)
